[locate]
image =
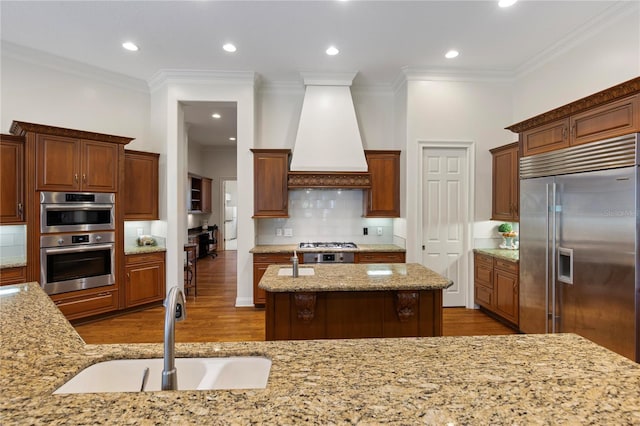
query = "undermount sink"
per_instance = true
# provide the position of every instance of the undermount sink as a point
(126, 375)
(302, 272)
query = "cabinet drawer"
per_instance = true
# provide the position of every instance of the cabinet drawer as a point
(87, 305)
(379, 257)
(505, 265)
(483, 296)
(134, 259)
(13, 275)
(483, 259)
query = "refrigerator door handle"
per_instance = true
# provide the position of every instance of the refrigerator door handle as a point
(546, 264)
(554, 209)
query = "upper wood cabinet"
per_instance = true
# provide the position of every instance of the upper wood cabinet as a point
(11, 179)
(270, 193)
(383, 199)
(141, 185)
(606, 114)
(506, 183)
(206, 195)
(70, 164)
(199, 194)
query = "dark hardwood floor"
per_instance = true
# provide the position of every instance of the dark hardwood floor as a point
(212, 316)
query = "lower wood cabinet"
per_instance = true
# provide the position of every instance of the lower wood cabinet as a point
(380, 257)
(496, 286)
(17, 275)
(261, 262)
(353, 314)
(86, 303)
(145, 278)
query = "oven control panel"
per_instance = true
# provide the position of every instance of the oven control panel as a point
(62, 240)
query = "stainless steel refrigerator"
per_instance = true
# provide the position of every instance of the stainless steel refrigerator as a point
(579, 243)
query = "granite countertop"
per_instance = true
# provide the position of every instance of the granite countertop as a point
(290, 248)
(143, 249)
(12, 262)
(510, 255)
(355, 277)
(515, 379)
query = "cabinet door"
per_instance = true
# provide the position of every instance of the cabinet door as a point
(506, 295)
(614, 119)
(57, 163)
(261, 262)
(380, 257)
(383, 199)
(206, 195)
(11, 179)
(483, 280)
(145, 284)
(548, 137)
(271, 196)
(506, 183)
(99, 166)
(141, 185)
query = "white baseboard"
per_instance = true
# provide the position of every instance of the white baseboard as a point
(242, 302)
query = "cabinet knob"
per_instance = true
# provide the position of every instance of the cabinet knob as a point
(84, 178)
(75, 177)
(20, 209)
(564, 133)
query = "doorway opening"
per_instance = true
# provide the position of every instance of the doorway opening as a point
(229, 205)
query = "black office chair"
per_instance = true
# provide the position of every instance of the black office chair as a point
(209, 245)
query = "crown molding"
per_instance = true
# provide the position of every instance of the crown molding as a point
(69, 66)
(585, 32)
(179, 76)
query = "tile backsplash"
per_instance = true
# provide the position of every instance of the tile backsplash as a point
(325, 215)
(13, 241)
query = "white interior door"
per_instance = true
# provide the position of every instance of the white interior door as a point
(445, 207)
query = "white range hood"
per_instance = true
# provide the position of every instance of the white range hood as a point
(328, 138)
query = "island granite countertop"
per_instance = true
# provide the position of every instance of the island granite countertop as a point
(290, 248)
(355, 277)
(515, 379)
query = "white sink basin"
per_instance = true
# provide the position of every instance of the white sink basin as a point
(125, 375)
(302, 272)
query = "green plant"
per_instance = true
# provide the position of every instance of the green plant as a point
(505, 227)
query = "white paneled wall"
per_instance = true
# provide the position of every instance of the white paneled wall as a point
(325, 215)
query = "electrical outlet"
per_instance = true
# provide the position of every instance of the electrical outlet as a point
(139, 231)
(379, 230)
(365, 231)
(288, 232)
(278, 232)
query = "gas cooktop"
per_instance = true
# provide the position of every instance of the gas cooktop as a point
(328, 245)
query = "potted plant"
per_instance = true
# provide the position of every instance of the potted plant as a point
(508, 235)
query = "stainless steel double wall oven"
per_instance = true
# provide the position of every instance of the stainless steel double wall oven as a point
(77, 241)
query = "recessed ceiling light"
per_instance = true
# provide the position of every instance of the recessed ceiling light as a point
(216, 115)
(506, 3)
(130, 46)
(451, 54)
(332, 51)
(229, 47)
(232, 138)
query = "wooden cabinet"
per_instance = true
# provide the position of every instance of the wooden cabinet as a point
(145, 278)
(380, 257)
(353, 314)
(383, 199)
(70, 164)
(261, 262)
(141, 185)
(199, 194)
(613, 119)
(17, 275)
(86, 303)
(506, 183)
(206, 195)
(496, 286)
(270, 193)
(11, 179)
(609, 113)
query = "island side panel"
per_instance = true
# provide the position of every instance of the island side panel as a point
(349, 314)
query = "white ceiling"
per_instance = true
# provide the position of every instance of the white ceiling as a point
(280, 39)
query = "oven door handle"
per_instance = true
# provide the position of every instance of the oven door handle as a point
(54, 207)
(75, 249)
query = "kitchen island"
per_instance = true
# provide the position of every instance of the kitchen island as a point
(353, 301)
(541, 379)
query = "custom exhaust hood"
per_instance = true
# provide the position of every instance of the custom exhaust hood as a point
(328, 150)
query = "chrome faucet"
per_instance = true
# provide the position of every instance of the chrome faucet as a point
(174, 311)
